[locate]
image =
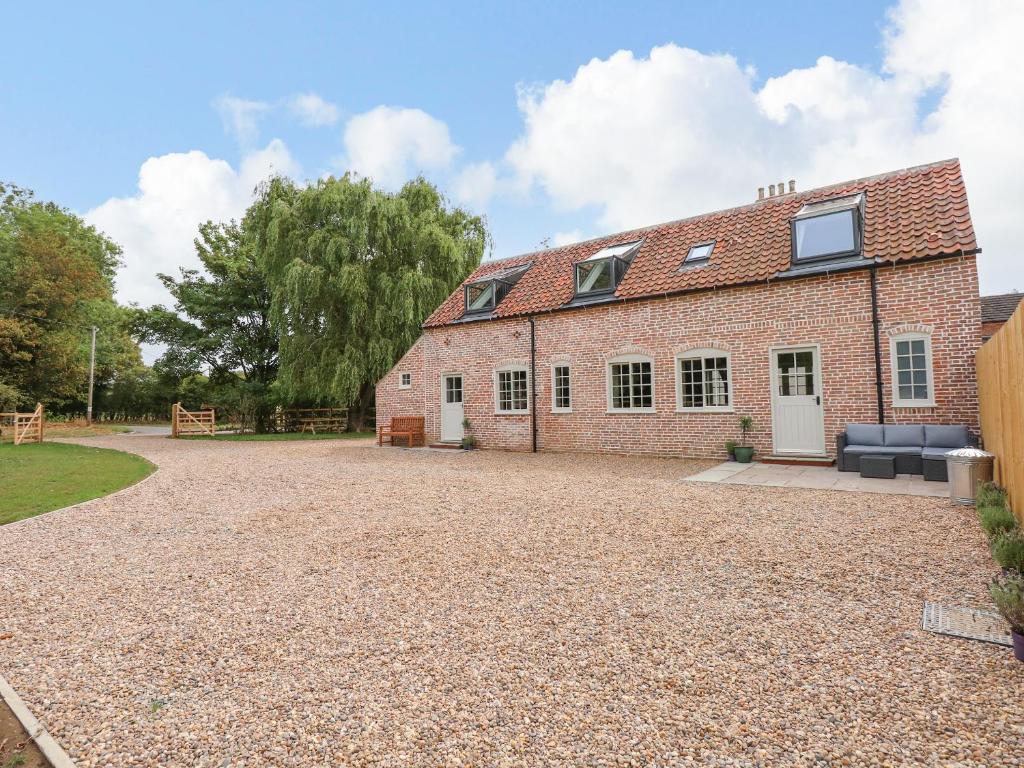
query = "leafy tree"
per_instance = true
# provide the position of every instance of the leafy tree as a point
(9, 398)
(353, 272)
(221, 323)
(56, 282)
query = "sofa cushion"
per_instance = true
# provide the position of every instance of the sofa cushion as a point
(935, 452)
(864, 434)
(892, 450)
(904, 435)
(946, 436)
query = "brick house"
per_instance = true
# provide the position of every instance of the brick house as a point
(856, 302)
(996, 310)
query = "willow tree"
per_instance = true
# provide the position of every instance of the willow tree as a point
(353, 272)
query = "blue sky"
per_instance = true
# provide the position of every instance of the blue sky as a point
(603, 141)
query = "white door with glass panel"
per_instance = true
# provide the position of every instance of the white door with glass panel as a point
(451, 408)
(798, 422)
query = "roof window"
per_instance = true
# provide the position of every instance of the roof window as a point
(603, 271)
(699, 254)
(828, 229)
(485, 295)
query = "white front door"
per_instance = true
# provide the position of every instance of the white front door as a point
(798, 418)
(451, 408)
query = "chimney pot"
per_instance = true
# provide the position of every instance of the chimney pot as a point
(782, 188)
(771, 190)
(792, 185)
(760, 193)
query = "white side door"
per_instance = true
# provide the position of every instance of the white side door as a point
(451, 408)
(798, 417)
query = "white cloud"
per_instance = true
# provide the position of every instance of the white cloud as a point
(682, 132)
(476, 184)
(241, 118)
(313, 110)
(176, 193)
(390, 145)
(566, 238)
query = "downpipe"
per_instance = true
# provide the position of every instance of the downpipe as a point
(533, 383)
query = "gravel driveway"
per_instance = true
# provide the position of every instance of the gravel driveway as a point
(332, 603)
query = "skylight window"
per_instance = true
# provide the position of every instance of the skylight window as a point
(486, 294)
(828, 229)
(603, 271)
(699, 254)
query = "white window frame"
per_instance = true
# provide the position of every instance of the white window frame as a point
(497, 390)
(401, 380)
(555, 408)
(897, 401)
(608, 382)
(702, 354)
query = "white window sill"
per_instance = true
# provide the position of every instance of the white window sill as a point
(561, 410)
(631, 410)
(406, 386)
(512, 413)
(913, 404)
(709, 409)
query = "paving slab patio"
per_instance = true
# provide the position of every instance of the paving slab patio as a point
(817, 478)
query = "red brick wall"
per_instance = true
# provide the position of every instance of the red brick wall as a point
(989, 329)
(833, 312)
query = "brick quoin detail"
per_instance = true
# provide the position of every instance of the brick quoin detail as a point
(832, 311)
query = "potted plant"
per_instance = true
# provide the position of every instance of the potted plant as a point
(468, 441)
(730, 447)
(1008, 594)
(744, 452)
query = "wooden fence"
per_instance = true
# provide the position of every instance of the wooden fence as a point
(311, 420)
(1000, 365)
(28, 427)
(192, 422)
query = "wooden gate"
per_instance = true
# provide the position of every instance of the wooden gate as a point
(1001, 397)
(192, 422)
(28, 427)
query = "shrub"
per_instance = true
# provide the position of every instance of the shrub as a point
(1008, 550)
(996, 520)
(1007, 593)
(991, 495)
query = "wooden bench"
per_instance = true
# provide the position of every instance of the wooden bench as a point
(409, 427)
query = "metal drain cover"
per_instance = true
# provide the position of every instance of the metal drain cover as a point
(966, 622)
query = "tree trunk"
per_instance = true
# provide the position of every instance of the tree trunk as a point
(359, 413)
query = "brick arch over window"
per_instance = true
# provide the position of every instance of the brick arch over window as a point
(898, 330)
(511, 363)
(628, 351)
(700, 345)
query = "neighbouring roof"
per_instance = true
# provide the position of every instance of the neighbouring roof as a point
(997, 309)
(908, 214)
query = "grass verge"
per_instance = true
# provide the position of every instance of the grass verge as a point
(40, 477)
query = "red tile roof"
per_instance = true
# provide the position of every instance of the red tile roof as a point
(909, 214)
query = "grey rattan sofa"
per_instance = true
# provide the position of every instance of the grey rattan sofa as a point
(910, 444)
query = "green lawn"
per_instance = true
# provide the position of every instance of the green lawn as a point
(284, 436)
(39, 477)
